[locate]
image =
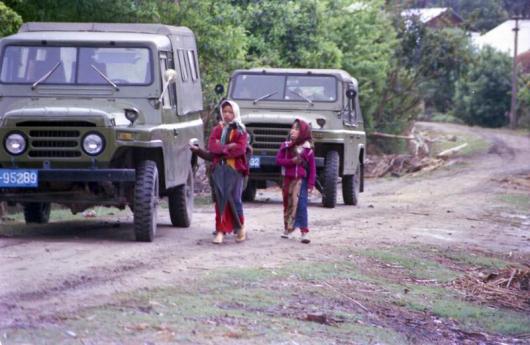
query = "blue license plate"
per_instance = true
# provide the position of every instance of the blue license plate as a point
(254, 162)
(19, 178)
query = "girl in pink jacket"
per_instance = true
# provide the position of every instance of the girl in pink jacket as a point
(297, 160)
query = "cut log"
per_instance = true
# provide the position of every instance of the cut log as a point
(450, 152)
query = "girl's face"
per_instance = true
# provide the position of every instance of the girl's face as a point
(228, 113)
(295, 132)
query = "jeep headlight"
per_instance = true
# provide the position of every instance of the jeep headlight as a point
(93, 144)
(15, 143)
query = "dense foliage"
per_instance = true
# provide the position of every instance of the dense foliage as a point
(483, 96)
(401, 67)
(9, 20)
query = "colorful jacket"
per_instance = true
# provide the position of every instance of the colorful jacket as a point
(235, 157)
(306, 169)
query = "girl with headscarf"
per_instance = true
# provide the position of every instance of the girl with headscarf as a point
(297, 160)
(227, 145)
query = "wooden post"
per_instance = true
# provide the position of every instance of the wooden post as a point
(513, 104)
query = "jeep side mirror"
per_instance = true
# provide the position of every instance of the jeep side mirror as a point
(351, 93)
(219, 89)
(170, 76)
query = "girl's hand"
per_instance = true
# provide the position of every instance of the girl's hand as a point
(297, 160)
(310, 190)
(231, 146)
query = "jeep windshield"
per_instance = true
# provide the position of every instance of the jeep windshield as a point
(76, 65)
(276, 87)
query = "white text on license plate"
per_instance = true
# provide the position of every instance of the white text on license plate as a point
(16, 178)
(254, 162)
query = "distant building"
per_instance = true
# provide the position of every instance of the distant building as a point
(436, 17)
(502, 39)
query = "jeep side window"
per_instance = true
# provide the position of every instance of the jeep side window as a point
(193, 65)
(182, 65)
(168, 101)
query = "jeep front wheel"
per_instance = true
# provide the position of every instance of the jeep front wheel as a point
(331, 173)
(37, 212)
(146, 201)
(180, 200)
(351, 187)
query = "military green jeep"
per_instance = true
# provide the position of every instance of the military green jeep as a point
(270, 99)
(100, 114)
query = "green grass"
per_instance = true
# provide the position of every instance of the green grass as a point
(519, 201)
(62, 214)
(446, 118)
(269, 306)
(415, 261)
(475, 143)
(447, 304)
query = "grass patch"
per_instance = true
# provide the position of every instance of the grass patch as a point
(520, 201)
(269, 306)
(446, 304)
(446, 118)
(415, 261)
(63, 214)
(475, 143)
(476, 260)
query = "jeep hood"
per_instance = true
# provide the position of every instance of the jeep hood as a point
(280, 117)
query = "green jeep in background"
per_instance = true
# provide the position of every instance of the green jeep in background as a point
(270, 99)
(100, 114)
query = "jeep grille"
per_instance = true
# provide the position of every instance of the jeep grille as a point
(54, 143)
(267, 138)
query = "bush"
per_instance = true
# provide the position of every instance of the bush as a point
(10, 21)
(483, 95)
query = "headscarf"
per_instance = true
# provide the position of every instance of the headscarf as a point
(304, 132)
(236, 122)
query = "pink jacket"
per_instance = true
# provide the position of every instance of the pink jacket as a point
(284, 158)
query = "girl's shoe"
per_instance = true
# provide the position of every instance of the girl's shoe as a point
(218, 238)
(287, 234)
(241, 235)
(305, 238)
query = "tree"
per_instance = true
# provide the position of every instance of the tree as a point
(483, 95)
(221, 39)
(89, 10)
(9, 20)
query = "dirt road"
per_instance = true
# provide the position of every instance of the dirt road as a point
(52, 272)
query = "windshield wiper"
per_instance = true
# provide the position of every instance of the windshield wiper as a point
(264, 96)
(46, 76)
(107, 79)
(302, 96)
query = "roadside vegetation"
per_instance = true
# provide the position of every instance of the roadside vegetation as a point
(391, 295)
(404, 68)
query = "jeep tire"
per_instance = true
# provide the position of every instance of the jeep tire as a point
(329, 182)
(249, 194)
(351, 187)
(37, 212)
(146, 201)
(180, 202)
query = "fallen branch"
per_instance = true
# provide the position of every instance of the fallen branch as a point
(449, 152)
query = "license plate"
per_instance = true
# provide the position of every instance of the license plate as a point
(254, 162)
(19, 178)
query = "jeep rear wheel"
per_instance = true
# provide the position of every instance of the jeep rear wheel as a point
(351, 186)
(329, 184)
(37, 212)
(146, 201)
(180, 200)
(249, 194)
